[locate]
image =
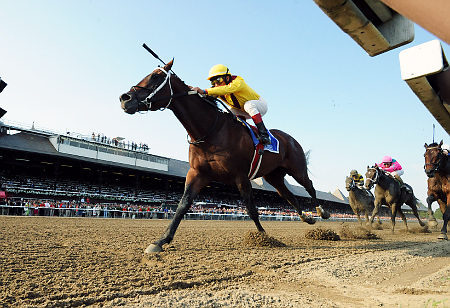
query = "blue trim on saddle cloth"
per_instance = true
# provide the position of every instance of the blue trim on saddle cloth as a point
(272, 147)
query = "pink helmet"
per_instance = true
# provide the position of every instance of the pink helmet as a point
(387, 159)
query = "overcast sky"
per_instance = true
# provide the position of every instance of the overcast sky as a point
(67, 62)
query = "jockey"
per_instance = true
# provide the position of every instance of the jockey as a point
(393, 167)
(357, 178)
(242, 99)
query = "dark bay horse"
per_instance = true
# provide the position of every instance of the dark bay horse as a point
(360, 200)
(220, 150)
(437, 169)
(388, 192)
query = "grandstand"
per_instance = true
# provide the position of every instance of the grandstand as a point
(44, 165)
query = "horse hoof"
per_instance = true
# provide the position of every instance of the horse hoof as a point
(308, 219)
(153, 248)
(442, 236)
(432, 223)
(322, 213)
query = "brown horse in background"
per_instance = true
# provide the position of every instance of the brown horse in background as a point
(437, 169)
(361, 200)
(388, 192)
(222, 149)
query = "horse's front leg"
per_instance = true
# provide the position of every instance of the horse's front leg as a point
(432, 222)
(393, 215)
(194, 183)
(445, 209)
(245, 188)
(366, 215)
(358, 215)
(376, 208)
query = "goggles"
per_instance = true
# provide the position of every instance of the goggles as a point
(387, 164)
(217, 81)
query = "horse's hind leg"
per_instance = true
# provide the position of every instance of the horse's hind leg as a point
(413, 204)
(245, 188)
(276, 179)
(402, 215)
(194, 183)
(445, 209)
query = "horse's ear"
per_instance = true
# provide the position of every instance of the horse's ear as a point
(168, 66)
(426, 145)
(440, 143)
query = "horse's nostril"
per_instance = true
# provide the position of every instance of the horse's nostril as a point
(125, 97)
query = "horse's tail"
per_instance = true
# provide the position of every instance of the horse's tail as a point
(307, 153)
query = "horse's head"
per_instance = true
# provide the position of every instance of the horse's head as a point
(349, 183)
(372, 175)
(434, 157)
(150, 92)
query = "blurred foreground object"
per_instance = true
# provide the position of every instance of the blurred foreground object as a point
(425, 69)
(370, 23)
(2, 85)
(430, 15)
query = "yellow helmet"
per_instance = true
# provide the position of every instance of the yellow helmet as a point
(218, 70)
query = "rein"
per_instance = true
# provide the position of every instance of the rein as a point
(147, 101)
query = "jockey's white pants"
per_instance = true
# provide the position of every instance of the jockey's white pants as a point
(398, 172)
(251, 108)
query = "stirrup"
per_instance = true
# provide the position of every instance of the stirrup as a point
(264, 139)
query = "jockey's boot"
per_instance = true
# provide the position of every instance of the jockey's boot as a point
(262, 130)
(263, 134)
(400, 180)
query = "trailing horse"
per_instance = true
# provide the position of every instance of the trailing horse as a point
(220, 150)
(360, 200)
(437, 169)
(388, 192)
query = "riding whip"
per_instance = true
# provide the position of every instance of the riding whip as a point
(156, 56)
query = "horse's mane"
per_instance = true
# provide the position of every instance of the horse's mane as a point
(209, 100)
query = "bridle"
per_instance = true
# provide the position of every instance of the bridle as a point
(352, 184)
(147, 101)
(434, 166)
(377, 175)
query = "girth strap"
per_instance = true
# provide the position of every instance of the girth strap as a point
(256, 161)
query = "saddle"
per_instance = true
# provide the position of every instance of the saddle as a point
(259, 148)
(272, 147)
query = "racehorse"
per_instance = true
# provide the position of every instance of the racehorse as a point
(220, 150)
(360, 200)
(388, 192)
(437, 169)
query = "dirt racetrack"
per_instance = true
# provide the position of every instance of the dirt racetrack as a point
(70, 262)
